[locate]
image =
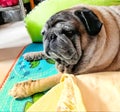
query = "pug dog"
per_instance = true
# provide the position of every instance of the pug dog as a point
(82, 39)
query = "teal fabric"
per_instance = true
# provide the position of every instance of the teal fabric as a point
(22, 71)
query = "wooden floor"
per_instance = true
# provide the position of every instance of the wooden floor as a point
(13, 37)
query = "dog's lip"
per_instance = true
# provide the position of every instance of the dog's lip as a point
(73, 60)
(51, 53)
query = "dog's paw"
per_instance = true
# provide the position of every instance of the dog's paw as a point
(34, 56)
(20, 90)
(29, 56)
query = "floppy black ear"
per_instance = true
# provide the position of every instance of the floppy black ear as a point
(90, 20)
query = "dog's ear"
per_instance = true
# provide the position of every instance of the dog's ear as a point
(90, 20)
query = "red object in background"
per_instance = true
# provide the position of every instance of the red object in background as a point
(7, 3)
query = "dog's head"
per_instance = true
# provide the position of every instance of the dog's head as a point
(64, 31)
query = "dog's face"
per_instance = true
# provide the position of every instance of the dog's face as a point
(60, 34)
(63, 33)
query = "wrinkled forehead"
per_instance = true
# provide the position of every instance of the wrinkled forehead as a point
(63, 19)
(65, 26)
(59, 17)
(60, 27)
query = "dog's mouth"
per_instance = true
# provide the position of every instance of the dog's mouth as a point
(62, 58)
(66, 57)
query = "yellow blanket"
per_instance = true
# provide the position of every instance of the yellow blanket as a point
(93, 92)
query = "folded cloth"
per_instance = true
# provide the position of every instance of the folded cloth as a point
(92, 92)
(65, 96)
(100, 91)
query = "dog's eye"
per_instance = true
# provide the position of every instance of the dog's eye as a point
(43, 32)
(68, 33)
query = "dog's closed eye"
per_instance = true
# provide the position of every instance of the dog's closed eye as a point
(68, 33)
